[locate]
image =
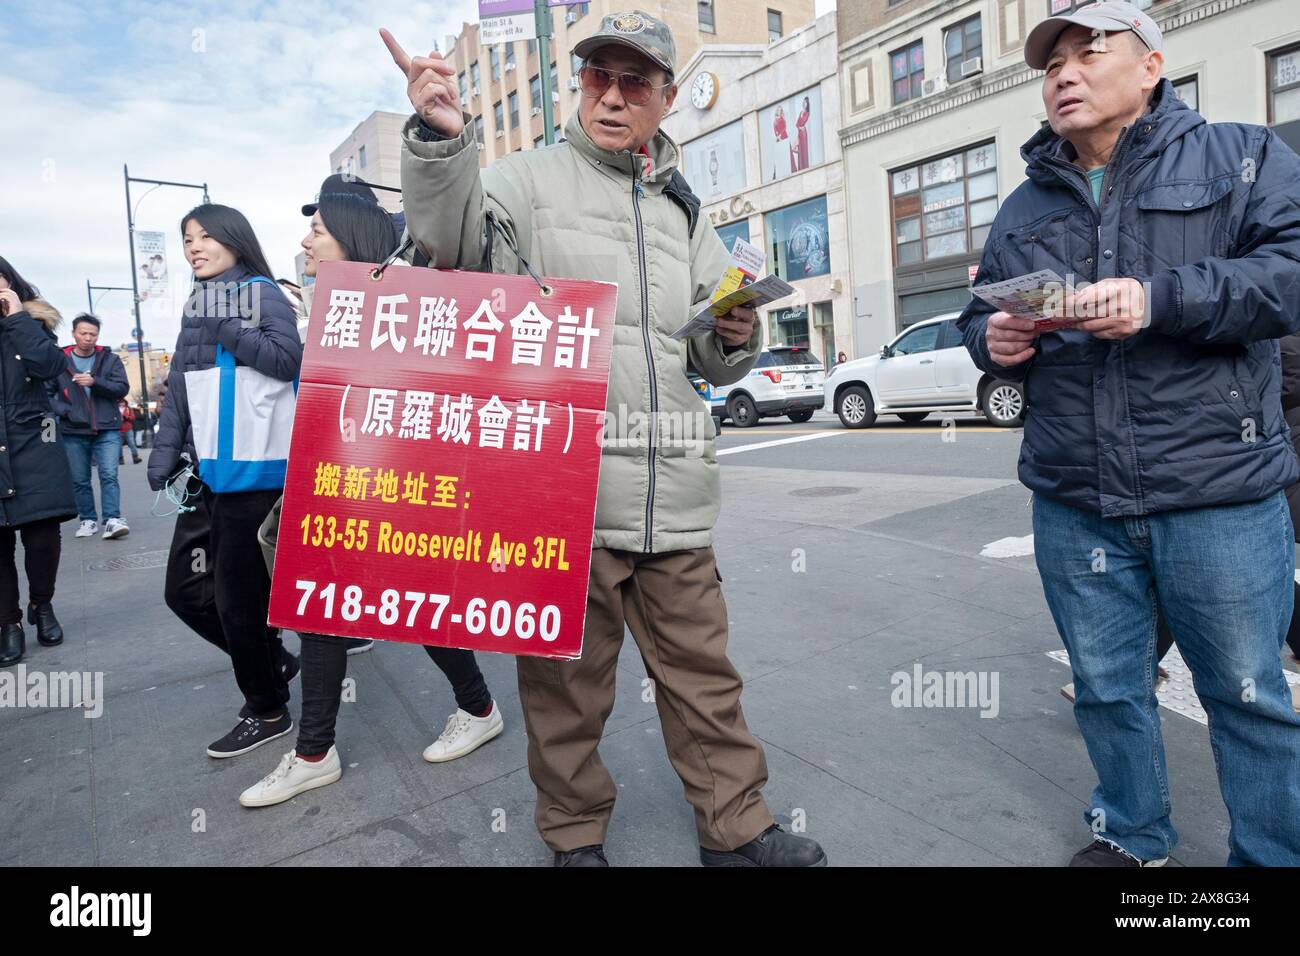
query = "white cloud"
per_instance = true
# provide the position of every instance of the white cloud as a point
(254, 114)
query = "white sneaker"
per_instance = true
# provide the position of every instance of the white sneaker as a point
(292, 777)
(88, 529)
(115, 528)
(463, 734)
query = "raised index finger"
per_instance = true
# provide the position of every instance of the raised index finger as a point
(399, 55)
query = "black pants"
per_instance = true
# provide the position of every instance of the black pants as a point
(324, 665)
(41, 547)
(218, 585)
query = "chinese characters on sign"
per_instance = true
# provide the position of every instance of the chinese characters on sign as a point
(442, 477)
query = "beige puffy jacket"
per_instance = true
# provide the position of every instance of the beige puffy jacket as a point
(575, 210)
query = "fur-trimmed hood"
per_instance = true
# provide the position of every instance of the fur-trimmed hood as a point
(43, 312)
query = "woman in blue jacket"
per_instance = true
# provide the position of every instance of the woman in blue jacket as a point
(216, 581)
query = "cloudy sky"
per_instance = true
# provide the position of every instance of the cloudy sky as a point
(248, 96)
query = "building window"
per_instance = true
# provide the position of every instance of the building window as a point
(733, 231)
(1057, 7)
(798, 240)
(579, 10)
(532, 48)
(510, 55)
(1187, 89)
(539, 142)
(478, 130)
(788, 326)
(575, 64)
(498, 116)
(961, 43)
(494, 57)
(464, 90)
(907, 70)
(944, 206)
(555, 84)
(473, 73)
(774, 31)
(514, 110)
(535, 92)
(707, 23)
(1284, 86)
(361, 157)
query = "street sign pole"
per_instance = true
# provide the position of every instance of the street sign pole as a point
(542, 14)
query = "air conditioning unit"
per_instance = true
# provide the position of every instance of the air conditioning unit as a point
(500, 133)
(972, 66)
(509, 67)
(555, 96)
(481, 147)
(574, 84)
(936, 85)
(570, 19)
(537, 111)
(464, 101)
(474, 92)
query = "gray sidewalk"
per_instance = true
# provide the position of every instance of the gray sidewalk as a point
(893, 576)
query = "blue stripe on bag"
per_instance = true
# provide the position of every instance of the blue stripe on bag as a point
(225, 473)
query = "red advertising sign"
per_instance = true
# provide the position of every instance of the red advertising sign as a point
(442, 476)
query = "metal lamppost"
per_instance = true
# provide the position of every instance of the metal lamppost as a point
(135, 278)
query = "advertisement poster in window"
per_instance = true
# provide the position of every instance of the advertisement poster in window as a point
(715, 163)
(790, 135)
(798, 241)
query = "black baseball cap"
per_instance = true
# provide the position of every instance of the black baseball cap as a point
(338, 183)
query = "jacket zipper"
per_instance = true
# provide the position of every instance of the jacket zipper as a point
(649, 355)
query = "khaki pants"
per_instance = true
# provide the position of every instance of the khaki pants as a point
(673, 605)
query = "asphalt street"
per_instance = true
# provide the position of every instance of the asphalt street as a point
(848, 557)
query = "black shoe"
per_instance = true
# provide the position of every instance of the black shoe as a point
(1102, 853)
(289, 666)
(772, 847)
(48, 629)
(135, 460)
(12, 644)
(593, 855)
(358, 645)
(249, 734)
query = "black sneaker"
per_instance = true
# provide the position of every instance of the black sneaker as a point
(249, 734)
(772, 847)
(289, 666)
(1104, 853)
(593, 855)
(358, 645)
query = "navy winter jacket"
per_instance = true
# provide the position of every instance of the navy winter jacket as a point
(1187, 412)
(264, 337)
(84, 414)
(35, 480)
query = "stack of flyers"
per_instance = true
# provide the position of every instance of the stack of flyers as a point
(1038, 296)
(740, 285)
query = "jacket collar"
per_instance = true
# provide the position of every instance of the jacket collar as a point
(664, 153)
(1167, 118)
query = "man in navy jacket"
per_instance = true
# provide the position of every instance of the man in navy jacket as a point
(86, 397)
(1154, 438)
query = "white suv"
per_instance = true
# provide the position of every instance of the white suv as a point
(925, 369)
(786, 380)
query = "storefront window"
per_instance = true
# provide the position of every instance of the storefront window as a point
(944, 206)
(733, 231)
(798, 240)
(788, 326)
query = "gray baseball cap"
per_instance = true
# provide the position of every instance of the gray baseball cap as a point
(1111, 16)
(636, 30)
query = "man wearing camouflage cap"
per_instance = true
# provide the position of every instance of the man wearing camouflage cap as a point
(608, 204)
(1154, 441)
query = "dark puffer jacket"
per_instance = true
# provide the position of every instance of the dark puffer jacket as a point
(84, 414)
(266, 340)
(35, 480)
(1187, 412)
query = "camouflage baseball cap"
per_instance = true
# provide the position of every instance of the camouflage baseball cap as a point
(637, 31)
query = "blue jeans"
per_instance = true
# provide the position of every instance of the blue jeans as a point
(1223, 577)
(105, 447)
